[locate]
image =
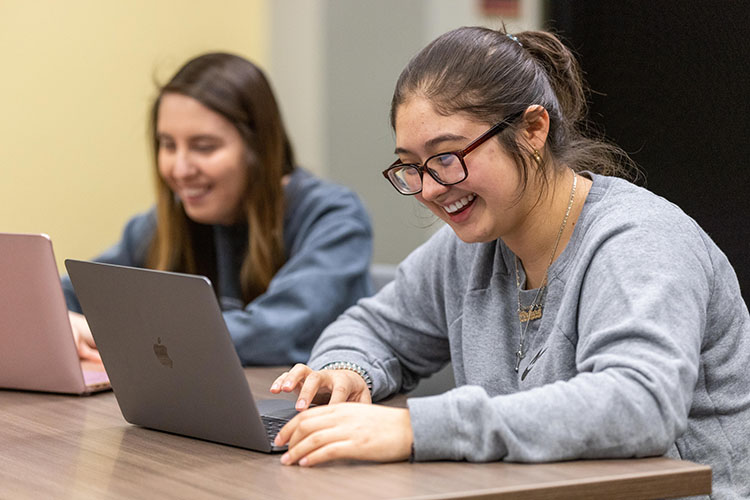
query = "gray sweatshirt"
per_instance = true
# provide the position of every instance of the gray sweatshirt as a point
(642, 349)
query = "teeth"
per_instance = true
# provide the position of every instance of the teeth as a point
(191, 192)
(458, 205)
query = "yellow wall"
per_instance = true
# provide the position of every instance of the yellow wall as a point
(76, 82)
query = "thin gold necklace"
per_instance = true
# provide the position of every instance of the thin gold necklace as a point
(535, 310)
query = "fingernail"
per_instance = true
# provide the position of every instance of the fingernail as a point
(285, 458)
(303, 462)
(300, 404)
(275, 386)
(287, 384)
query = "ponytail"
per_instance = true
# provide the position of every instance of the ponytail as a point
(489, 75)
(562, 70)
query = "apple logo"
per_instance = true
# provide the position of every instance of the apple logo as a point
(161, 353)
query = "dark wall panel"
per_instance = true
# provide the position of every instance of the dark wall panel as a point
(671, 82)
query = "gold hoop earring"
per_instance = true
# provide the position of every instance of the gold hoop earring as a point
(537, 157)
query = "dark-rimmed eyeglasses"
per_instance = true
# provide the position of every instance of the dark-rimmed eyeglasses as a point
(446, 168)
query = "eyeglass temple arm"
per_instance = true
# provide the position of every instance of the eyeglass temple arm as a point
(496, 129)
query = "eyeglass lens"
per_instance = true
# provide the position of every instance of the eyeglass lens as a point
(444, 168)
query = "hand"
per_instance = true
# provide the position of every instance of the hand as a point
(83, 338)
(347, 431)
(321, 387)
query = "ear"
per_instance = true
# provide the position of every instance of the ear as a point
(536, 127)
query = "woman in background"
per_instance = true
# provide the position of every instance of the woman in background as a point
(285, 251)
(584, 316)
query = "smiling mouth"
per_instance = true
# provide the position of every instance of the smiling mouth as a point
(194, 192)
(460, 205)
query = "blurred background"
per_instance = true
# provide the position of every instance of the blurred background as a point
(670, 83)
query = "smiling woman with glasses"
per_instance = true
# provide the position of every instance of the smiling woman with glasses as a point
(584, 316)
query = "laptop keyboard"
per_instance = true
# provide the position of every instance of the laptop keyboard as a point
(273, 425)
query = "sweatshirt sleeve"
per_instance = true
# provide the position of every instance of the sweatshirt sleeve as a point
(327, 270)
(639, 316)
(400, 334)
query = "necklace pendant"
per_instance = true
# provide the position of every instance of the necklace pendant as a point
(530, 313)
(519, 356)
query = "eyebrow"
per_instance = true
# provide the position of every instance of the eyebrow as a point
(192, 138)
(204, 137)
(434, 142)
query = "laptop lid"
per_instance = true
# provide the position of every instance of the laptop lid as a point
(37, 349)
(168, 353)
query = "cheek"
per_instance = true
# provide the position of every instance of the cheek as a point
(234, 165)
(421, 200)
(432, 207)
(235, 183)
(163, 167)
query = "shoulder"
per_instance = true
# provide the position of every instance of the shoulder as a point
(132, 248)
(318, 210)
(307, 194)
(304, 186)
(142, 224)
(452, 264)
(616, 204)
(626, 226)
(445, 247)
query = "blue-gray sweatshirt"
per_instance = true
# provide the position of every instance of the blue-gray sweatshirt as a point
(642, 349)
(328, 243)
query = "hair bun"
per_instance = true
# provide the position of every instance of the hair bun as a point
(562, 69)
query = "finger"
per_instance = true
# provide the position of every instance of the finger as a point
(300, 426)
(337, 450)
(314, 420)
(282, 437)
(86, 352)
(364, 397)
(313, 441)
(88, 338)
(309, 390)
(295, 377)
(340, 393)
(276, 385)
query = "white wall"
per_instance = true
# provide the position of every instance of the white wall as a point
(334, 64)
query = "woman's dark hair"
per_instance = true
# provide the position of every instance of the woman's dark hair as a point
(489, 75)
(238, 90)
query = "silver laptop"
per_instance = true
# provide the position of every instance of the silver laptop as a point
(37, 350)
(170, 357)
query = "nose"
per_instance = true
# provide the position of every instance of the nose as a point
(431, 189)
(182, 166)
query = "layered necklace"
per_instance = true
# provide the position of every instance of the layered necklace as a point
(535, 310)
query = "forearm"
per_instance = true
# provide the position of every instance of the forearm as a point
(281, 326)
(394, 352)
(604, 415)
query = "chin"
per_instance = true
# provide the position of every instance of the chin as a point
(472, 237)
(202, 218)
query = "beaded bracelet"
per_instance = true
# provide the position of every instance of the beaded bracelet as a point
(347, 365)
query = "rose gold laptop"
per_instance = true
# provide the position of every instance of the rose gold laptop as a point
(37, 350)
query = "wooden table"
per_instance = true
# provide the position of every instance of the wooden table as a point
(54, 446)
